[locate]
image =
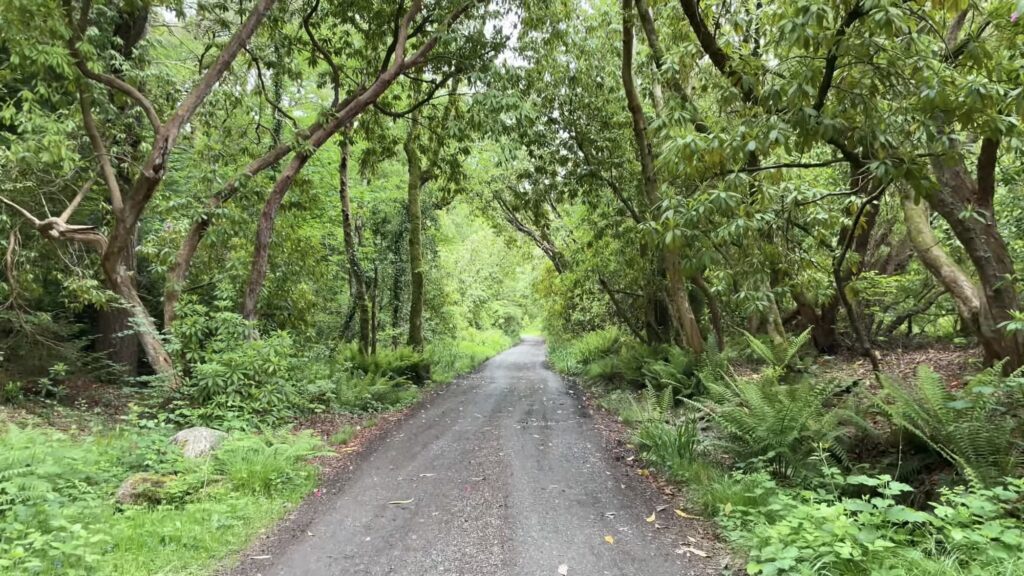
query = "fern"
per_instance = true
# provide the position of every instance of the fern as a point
(781, 357)
(975, 430)
(760, 422)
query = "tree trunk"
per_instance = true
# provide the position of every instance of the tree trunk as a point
(945, 270)
(122, 282)
(415, 217)
(356, 276)
(396, 287)
(676, 291)
(966, 205)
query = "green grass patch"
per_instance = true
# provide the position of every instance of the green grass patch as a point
(344, 435)
(58, 513)
(452, 358)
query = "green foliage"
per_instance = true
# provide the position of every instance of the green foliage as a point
(573, 357)
(977, 429)
(780, 357)
(358, 392)
(823, 532)
(762, 423)
(57, 514)
(236, 381)
(672, 447)
(450, 358)
(268, 465)
(401, 363)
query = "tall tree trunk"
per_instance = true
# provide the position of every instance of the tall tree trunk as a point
(945, 270)
(374, 307)
(676, 291)
(415, 217)
(116, 336)
(121, 280)
(356, 276)
(966, 204)
(396, 260)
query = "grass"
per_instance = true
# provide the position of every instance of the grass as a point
(58, 514)
(344, 435)
(451, 359)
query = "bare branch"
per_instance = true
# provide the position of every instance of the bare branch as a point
(109, 177)
(73, 205)
(25, 213)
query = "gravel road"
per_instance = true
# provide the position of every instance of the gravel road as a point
(502, 474)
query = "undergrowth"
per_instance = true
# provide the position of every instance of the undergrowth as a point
(58, 514)
(771, 457)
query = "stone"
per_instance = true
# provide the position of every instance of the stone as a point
(143, 488)
(199, 441)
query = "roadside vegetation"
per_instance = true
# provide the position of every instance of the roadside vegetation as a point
(808, 472)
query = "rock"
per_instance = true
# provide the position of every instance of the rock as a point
(199, 441)
(142, 488)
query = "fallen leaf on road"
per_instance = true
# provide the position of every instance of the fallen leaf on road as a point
(563, 569)
(609, 539)
(691, 550)
(409, 501)
(652, 517)
(258, 557)
(643, 472)
(660, 508)
(682, 514)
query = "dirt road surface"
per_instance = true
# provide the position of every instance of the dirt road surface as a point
(502, 474)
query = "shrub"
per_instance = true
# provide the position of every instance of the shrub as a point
(978, 429)
(573, 357)
(237, 382)
(401, 363)
(253, 382)
(356, 392)
(760, 422)
(823, 532)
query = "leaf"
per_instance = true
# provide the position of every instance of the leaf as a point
(563, 570)
(609, 539)
(409, 501)
(652, 517)
(682, 514)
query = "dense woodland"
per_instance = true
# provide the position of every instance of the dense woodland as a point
(245, 213)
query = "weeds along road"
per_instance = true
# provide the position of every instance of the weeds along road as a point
(502, 474)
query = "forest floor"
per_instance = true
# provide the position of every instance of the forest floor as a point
(507, 471)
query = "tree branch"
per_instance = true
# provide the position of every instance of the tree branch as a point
(109, 177)
(832, 59)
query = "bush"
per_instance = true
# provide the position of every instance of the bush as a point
(247, 383)
(823, 532)
(573, 357)
(977, 429)
(761, 423)
(235, 381)
(401, 363)
(356, 392)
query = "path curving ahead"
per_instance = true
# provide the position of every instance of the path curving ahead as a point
(507, 476)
